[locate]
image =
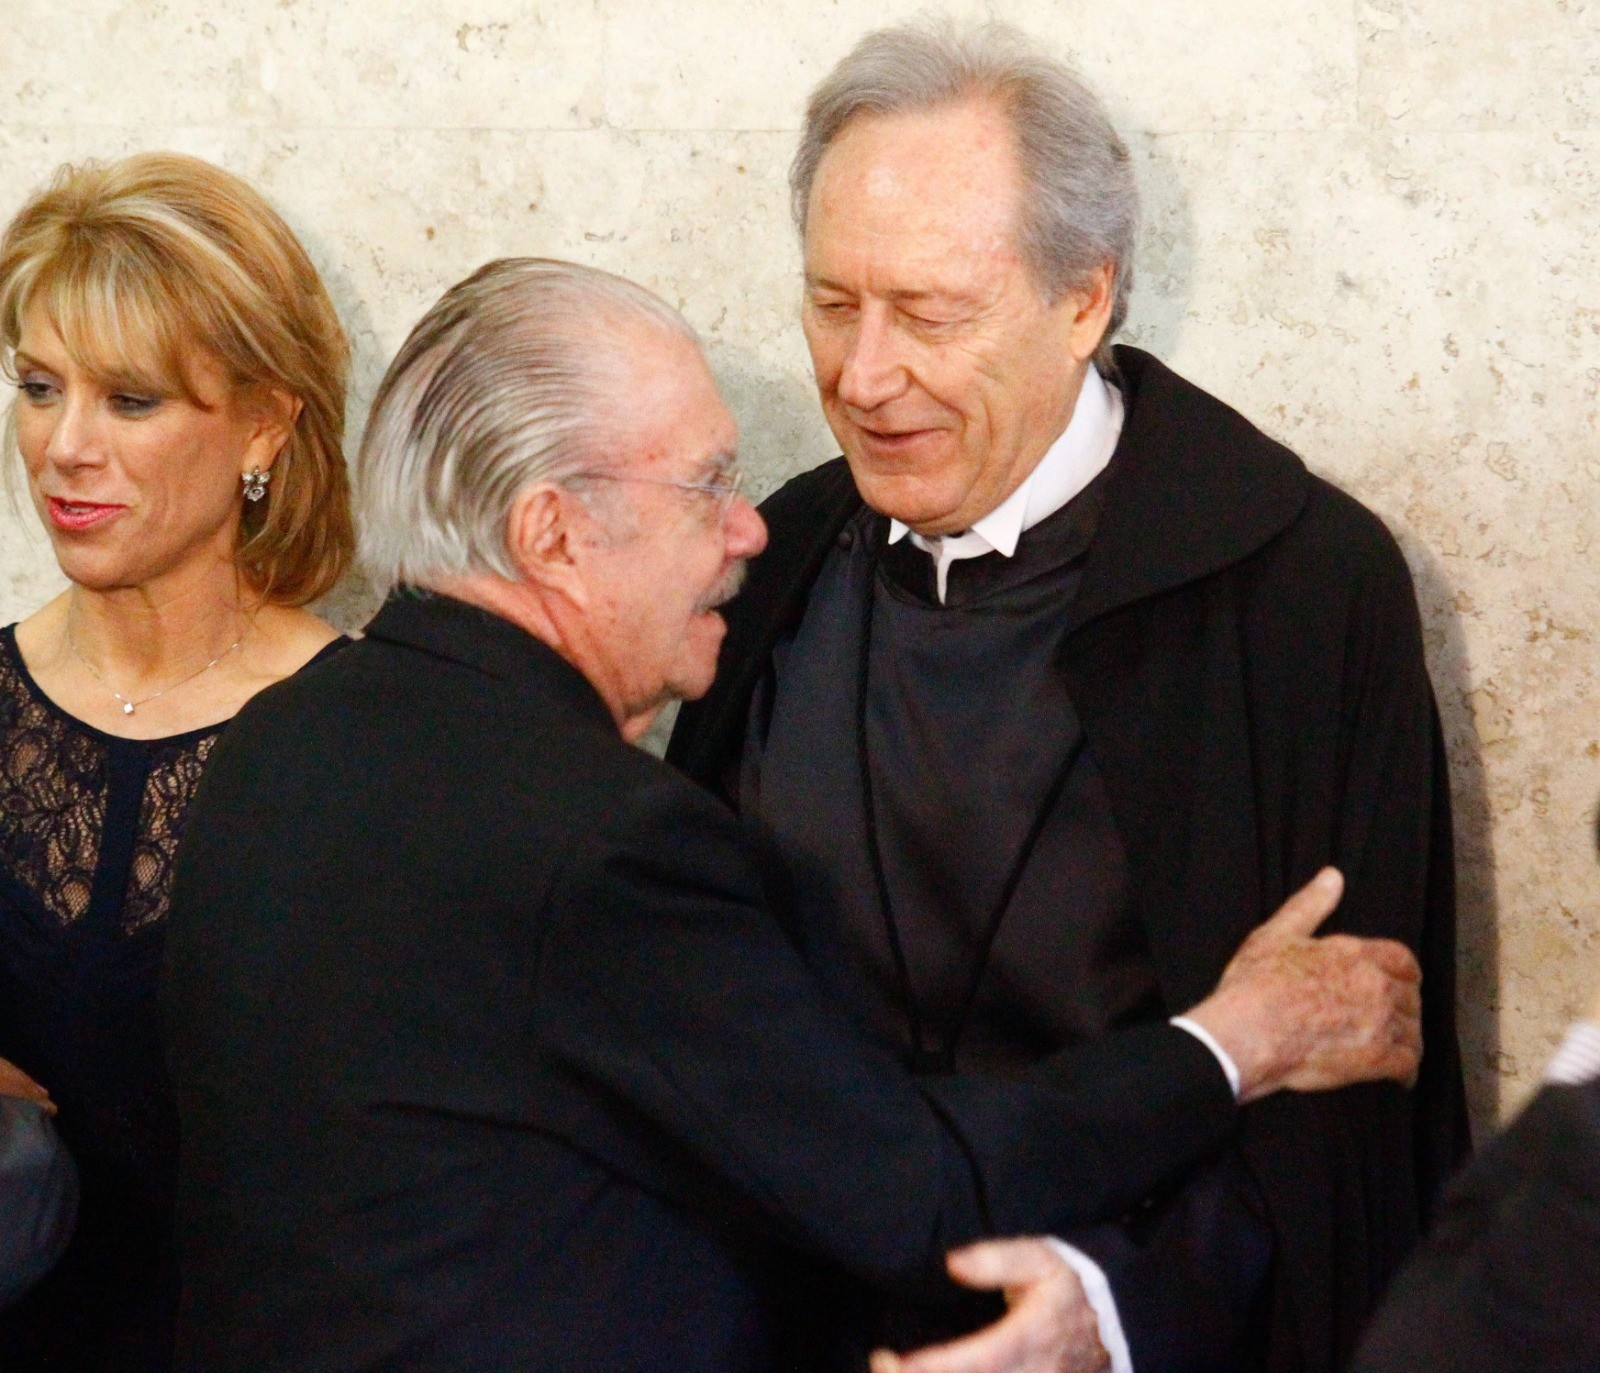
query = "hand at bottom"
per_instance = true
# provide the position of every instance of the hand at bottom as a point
(1049, 1328)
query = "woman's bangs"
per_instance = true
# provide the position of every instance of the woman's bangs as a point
(118, 322)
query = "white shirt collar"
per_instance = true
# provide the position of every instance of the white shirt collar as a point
(1069, 464)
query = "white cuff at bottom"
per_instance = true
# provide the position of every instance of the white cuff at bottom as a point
(1098, 1290)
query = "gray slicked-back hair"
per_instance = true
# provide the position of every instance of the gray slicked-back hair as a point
(507, 381)
(1080, 199)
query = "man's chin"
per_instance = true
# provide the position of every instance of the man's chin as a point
(908, 497)
(702, 644)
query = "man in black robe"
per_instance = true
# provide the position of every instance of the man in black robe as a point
(1064, 676)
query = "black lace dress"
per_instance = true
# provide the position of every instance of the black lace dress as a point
(89, 828)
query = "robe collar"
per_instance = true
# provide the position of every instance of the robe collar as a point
(1194, 489)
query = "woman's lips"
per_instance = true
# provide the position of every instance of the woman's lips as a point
(75, 516)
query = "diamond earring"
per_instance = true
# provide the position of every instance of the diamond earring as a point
(255, 483)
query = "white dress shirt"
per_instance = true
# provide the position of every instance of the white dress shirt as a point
(1578, 1059)
(1074, 460)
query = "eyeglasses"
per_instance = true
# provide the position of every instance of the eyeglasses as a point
(722, 489)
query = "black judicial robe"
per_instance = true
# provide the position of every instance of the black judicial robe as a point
(1246, 657)
(1003, 878)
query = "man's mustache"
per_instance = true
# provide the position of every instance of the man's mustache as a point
(725, 590)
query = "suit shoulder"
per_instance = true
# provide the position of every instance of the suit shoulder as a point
(427, 726)
(296, 713)
(662, 830)
(654, 797)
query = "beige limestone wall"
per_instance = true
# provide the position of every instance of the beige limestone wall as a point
(1371, 226)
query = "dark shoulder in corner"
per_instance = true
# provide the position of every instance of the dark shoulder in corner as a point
(291, 694)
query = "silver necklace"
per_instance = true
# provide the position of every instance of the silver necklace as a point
(128, 706)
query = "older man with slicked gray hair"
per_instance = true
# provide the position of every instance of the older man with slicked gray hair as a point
(491, 1049)
(1062, 677)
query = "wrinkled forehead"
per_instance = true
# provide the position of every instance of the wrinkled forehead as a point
(922, 185)
(667, 411)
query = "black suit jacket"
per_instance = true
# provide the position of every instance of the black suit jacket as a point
(1245, 655)
(490, 1056)
(1510, 1278)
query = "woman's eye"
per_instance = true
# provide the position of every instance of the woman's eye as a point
(125, 404)
(36, 391)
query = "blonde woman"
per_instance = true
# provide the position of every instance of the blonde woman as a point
(180, 379)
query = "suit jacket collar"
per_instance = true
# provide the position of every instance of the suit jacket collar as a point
(460, 633)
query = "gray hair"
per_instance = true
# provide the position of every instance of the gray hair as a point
(1080, 207)
(504, 383)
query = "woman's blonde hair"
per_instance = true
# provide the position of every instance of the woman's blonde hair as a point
(137, 264)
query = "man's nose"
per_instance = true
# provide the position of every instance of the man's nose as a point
(874, 371)
(744, 531)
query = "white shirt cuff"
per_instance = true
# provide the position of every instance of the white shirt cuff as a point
(1098, 1291)
(1209, 1040)
(1578, 1059)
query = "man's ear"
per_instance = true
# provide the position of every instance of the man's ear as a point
(273, 413)
(545, 540)
(1089, 311)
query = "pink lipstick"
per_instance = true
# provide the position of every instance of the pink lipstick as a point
(76, 516)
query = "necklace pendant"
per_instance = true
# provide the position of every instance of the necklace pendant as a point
(127, 707)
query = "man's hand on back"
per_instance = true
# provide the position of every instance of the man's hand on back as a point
(1049, 1328)
(1309, 1014)
(1293, 1012)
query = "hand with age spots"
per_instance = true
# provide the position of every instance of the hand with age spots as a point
(1049, 1326)
(1308, 1014)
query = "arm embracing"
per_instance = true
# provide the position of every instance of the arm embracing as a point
(667, 984)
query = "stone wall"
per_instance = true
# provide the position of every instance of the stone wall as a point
(1370, 227)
